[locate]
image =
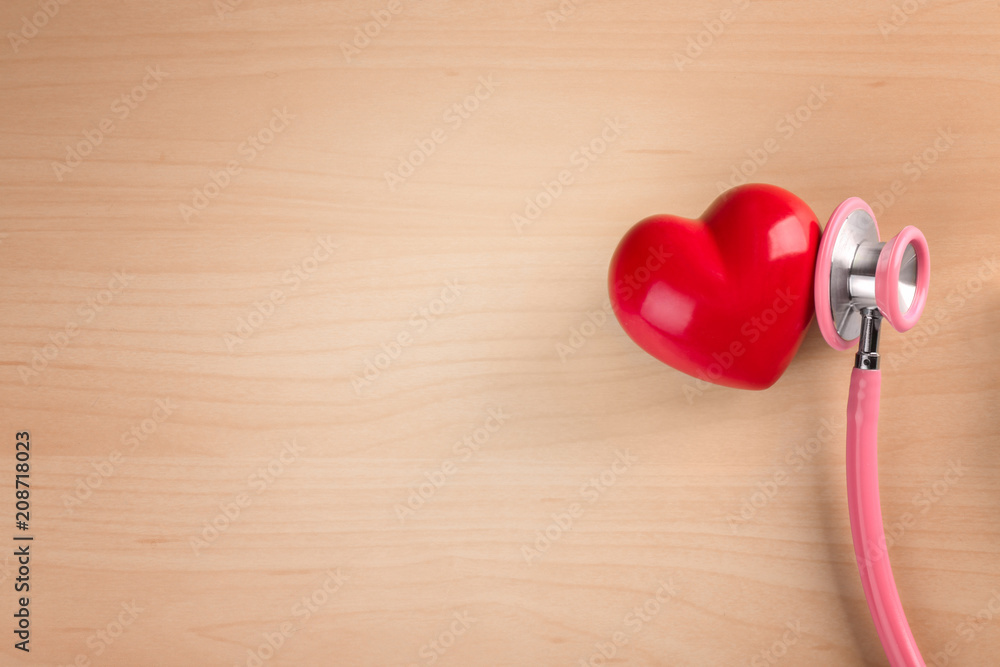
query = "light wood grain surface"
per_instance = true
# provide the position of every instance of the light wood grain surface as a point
(297, 374)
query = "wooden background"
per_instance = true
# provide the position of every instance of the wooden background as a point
(234, 315)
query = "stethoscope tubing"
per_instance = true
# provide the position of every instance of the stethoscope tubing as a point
(870, 548)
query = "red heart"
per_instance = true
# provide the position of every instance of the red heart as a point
(726, 298)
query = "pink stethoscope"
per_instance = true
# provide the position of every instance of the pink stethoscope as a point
(860, 280)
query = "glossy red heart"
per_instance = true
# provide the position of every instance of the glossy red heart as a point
(726, 298)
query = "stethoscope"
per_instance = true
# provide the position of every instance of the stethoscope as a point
(860, 280)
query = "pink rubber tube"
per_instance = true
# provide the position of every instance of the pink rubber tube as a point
(870, 547)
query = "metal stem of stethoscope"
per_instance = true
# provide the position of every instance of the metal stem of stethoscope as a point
(867, 357)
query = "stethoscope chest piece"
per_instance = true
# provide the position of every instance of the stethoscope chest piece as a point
(856, 272)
